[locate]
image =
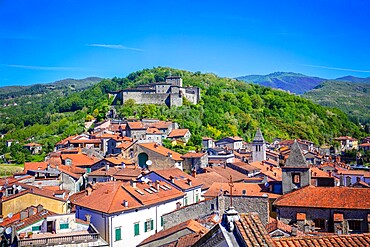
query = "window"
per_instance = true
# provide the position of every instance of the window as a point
(136, 229)
(196, 197)
(36, 228)
(118, 234)
(162, 221)
(148, 225)
(354, 226)
(212, 206)
(88, 170)
(319, 224)
(94, 180)
(185, 201)
(64, 226)
(296, 178)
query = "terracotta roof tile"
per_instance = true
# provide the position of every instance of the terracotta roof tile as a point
(335, 197)
(239, 189)
(252, 231)
(178, 133)
(126, 144)
(226, 172)
(272, 172)
(353, 240)
(32, 144)
(114, 193)
(35, 165)
(192, 155)
(275, 224)
(208, 178)
(119, 161)
(161, 150)
(80, 159)
(192, 225)
(136, 125)
(153, 131)
(180, 178)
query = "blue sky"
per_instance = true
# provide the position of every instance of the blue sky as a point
(47, 40)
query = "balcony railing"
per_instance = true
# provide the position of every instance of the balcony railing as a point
(49, 241)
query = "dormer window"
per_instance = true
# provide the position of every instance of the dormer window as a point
(68, 162)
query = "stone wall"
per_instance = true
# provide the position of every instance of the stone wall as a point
(158, 161)
(242, 204)
(288, 215)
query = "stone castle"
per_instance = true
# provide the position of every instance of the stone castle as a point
(170, 93)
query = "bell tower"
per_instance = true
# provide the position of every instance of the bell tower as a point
(258, 147)
(296, 172)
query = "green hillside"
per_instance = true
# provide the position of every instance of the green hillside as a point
(228, 107)
(351, 98)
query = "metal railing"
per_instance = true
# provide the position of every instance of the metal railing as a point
(74, 239)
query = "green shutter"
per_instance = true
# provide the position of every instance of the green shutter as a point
(64, 226)
(151, 225)
(118, 234)
(162, 221)
(196, 198)
(36, 228)
(136, 228)
(145, 227)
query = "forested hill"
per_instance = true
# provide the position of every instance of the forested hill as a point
(62, 85)
(351, 97)
(228, 108)
(288, 81)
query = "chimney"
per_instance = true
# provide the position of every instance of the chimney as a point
(358, 179)
(157, 185)
(24, 214)
(107, 167)
(39, 208)
(88, 217)
(224, 165)
(172, 179)
(133, 183)
(294, 230)
(178, 205)
(189, 181)
(30, 212)
(123, 164)
(329, 173)
(125, 203)
(341, 180)
(88, 191)
(170, 154)
(193, 173)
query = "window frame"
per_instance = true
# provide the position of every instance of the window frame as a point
(119, 229)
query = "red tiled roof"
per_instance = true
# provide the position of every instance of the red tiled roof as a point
(226, 172)
(126, 144)
(192, 225)
(180, 178)
(192, 155)
(136, 125)
(246, 166)
(274, 173)
(35, 166)
(161, 150)
(275, 224)
(32, 144)
(85, 141)
(365, 145)
(326, 197)
(250, 189)
(80, 159)
(344, 138)
(65, 141)
(177, 133)
(208, 178)
(153, 131)
(119, 161)
(252, 230)
(353, 240)
(114, 193)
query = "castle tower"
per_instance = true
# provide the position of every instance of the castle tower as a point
(258, 147)
(174, 80)
(296, 173)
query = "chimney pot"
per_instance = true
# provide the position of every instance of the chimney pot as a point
(88, 217)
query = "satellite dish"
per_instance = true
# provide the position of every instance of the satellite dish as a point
(19, 187)
(14, 186)
(148, 162)
(8, 230)
(10, 215)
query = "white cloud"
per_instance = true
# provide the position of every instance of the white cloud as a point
(335, 68)
(39, 67)
(119, 47)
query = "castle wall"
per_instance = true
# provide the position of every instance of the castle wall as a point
(146, 98)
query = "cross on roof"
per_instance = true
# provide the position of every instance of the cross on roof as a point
(231, 184)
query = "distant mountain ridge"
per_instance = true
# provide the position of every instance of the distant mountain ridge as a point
(287, 81)
(353, 79)
(72, 84)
